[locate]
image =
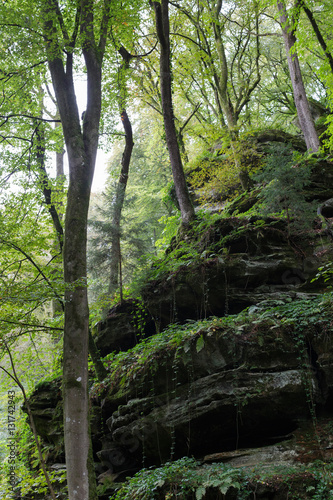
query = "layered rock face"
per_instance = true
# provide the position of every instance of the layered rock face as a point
(223, 388)
(221, 385)
(46, 406)
(240, 262)
(226, 389)
(220, 391)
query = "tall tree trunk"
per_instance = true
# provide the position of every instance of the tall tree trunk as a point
(161, 11)
(81, 148)
(58, 302)
(57, 307)
(301, 101)
(221, 80)
(75, 357)
(115, 269)
(60, 174)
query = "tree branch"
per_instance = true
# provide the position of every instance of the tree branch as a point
(189, 118)
(38, 118)
(26, 68)
(31, 260)
(317, 31)
(159, 23)
(104, 26)
(31, 325)
(45, 184)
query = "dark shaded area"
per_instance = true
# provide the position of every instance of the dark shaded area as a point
(125, 325)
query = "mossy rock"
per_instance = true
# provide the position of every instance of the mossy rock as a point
(47, 410)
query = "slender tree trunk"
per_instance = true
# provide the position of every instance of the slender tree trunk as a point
(317, 31)
(45, 184)
(76, 326)
(162, 27)
(54, 211)
(230, 111)
(57, 307)
(221, 79)
(301, 101)
(60, 174)
(118, 205)
(116, 267)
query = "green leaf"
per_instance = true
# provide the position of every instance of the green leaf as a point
(187, 346)
(200, 492)
(200, 344)
(224, 488)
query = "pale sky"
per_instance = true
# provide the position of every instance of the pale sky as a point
(100, 172)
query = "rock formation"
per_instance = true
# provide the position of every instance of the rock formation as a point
(214, 388)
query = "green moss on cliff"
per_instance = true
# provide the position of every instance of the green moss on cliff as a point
(282, 321)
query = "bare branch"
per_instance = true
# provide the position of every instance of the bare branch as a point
(31, 325)
(17, 115)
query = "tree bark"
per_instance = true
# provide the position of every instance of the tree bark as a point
(301, 101)
(161, 11)
(58, 305)
(81, 148)
(45, 184)
(115, 269)
(75, 372)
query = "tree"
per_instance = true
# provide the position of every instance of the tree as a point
(315, 48)
(302, 5)
(115, 269)
(301, 101)
(66, 30)
(146, 202)
(225, 45)
(161, 11)
(115, 278)
(67, 35)
(89, 31)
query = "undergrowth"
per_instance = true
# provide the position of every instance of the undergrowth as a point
(188, 479)
(124, 367)
(207, 239)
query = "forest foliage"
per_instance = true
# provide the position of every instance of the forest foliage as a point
(230, 82)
